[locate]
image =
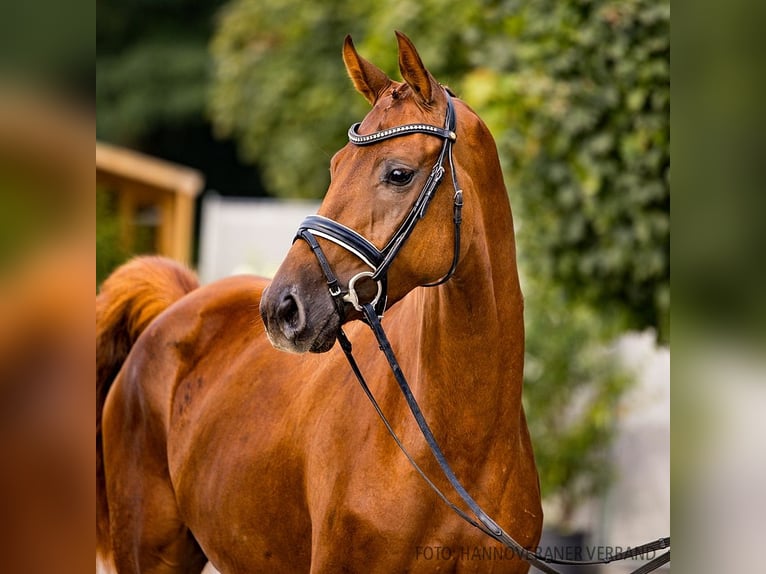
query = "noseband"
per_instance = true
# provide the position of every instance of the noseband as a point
(379, 260)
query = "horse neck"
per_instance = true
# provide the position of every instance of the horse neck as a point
(471, 338)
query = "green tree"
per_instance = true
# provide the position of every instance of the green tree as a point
(572, 390)
(279, 88)
(578, 95)
(152, 65)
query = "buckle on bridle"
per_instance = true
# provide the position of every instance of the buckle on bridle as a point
(335, 290)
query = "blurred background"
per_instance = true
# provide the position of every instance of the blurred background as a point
(216, 122)
(47, 264)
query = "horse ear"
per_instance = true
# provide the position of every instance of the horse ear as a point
(413, 71)
(369, 80)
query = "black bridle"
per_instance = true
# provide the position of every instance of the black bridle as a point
(379, 260)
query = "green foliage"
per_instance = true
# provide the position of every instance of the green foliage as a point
(572, 387)
(109, 253)
(148, 85)
(280, 87)
(580, 107)
(152, 66)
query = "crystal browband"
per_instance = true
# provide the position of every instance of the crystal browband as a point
(355, 138)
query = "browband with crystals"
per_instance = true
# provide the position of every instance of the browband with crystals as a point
(355, 138)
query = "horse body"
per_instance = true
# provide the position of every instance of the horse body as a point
(219, 446)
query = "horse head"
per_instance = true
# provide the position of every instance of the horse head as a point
(391, 218)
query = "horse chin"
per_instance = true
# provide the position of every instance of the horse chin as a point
(323, 337)
(318, 340)
(322, 345)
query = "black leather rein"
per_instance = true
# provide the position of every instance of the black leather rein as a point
(379, 261)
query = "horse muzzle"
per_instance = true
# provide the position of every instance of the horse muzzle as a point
(297, 321)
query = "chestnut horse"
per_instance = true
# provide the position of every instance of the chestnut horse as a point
(218, 445)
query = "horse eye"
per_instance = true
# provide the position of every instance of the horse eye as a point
(400, 176)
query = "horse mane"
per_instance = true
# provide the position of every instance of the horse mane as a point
(129, 300)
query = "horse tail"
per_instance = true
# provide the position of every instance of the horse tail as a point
(129, 300)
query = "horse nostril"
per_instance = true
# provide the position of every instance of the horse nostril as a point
(291, 317)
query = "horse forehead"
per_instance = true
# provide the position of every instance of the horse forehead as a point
(396, 107)
(414, 148)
